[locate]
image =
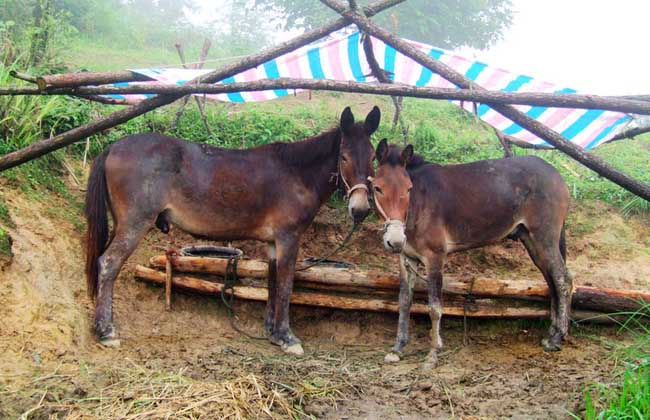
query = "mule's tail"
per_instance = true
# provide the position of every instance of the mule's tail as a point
(97, 221)
(563, 244)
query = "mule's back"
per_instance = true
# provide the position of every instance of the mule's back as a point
(484, 201)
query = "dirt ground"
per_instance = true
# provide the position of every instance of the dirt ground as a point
(51, 366)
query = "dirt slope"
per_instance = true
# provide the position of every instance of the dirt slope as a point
(51, 362)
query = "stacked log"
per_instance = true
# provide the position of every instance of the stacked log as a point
(372, 290)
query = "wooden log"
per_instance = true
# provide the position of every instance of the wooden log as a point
(591, 161)
(481, 308)
(584, 297)
(484, 287)
(69, 80)
(42, 147)
(168, 284)
(558, 100)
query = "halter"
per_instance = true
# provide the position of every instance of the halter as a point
(349, 190)
(388, 221)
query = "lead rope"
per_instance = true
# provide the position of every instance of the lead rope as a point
(349, 191)
(229, 282)
(340, 247)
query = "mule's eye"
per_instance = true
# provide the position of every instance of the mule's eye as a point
(343, 158)
(409, 190)
(378, 190)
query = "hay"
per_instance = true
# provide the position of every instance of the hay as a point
(137, 393)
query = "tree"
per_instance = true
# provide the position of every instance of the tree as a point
(443, 23)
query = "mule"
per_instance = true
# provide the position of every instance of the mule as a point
(269, 193)
(432, 210)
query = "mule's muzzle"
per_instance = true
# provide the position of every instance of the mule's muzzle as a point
(394, 236)
(359, 215)
(359, 207)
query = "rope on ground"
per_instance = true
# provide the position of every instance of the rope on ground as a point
(228, 295)
(340, 247)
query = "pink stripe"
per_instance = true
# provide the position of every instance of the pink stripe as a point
(408, 67)
(609, 121)
(454, 62)
(496, 119)
(335, 62)
(251, 76)
(493, 81)
(293, 67)
(556, 117)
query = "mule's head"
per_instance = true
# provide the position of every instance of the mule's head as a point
(392, 190)
(355, 160)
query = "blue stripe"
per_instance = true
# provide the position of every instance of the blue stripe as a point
(475, 69)
(425, 74)
(513, 86)
(272, 72)
(389, 61)
(606, 131)
(315, 64)
(566, 90)
(587, 118)
(517, 83)
(234, 96)
(353, 57)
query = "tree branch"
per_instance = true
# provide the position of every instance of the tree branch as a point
(49, 145)
(591, 161)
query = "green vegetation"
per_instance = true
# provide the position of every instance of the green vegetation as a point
(43, 36)
(629, 396)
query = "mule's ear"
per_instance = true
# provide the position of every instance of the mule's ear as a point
(372, 120)
(406, 155)
(347, 120)
(382, 151)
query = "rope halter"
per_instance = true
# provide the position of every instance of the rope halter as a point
(349, 190)
(387, 220)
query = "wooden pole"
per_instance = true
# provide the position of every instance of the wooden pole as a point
(481, 308)
(584, 297)
(591, 161)
(42, 147)
(558, 100)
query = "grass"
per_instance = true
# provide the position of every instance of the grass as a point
(629, 396)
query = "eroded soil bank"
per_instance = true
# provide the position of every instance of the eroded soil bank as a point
(192, 357)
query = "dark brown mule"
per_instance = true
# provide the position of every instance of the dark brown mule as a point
(270, 193)
(432, 210)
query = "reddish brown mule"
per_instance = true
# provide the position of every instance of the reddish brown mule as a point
(270, 193)
(432, 210)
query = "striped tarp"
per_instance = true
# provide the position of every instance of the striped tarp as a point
(342, 58)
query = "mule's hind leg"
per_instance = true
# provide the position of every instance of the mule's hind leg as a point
(121, 247)
(546, 255)
(269, 320)
(406, 282)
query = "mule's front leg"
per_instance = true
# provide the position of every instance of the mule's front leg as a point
(287, 251)
(407, 281)
(434, 284)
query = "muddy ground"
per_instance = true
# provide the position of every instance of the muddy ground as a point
(191, 362)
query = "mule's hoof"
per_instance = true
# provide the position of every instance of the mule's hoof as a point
(110, 342)
(392, 358)
(550, 346)
(430, 362)
(294, 349)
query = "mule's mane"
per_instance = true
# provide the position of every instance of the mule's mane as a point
(394, 155)
(313, 149)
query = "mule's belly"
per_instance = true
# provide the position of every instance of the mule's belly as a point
(217, 224)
